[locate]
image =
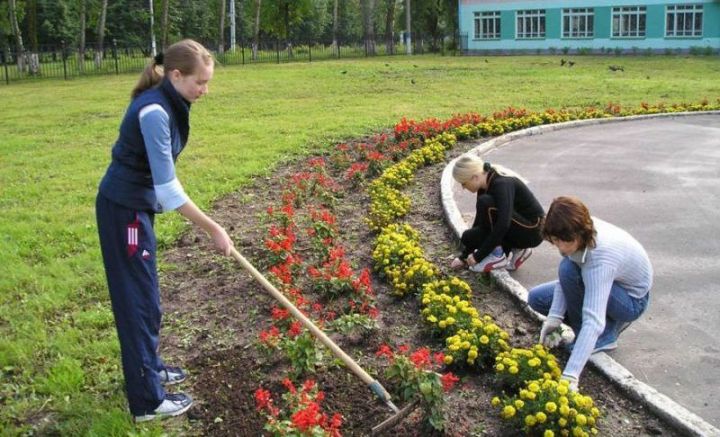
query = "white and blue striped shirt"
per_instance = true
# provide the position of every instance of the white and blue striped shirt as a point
(616, 257)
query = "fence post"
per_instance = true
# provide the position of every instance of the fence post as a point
(242, 50)
(277, 50)
(115, 56)
(64, 59)
(309, 52)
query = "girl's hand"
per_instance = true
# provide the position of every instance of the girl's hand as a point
(471, 260)
(222, 240)
(457, 263)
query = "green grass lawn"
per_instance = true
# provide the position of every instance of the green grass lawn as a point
(59, 355)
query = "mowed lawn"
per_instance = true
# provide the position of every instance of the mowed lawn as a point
(59, 355)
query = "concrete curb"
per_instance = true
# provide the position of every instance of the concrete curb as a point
(673, 413)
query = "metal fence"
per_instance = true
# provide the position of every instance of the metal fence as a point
(69, 62)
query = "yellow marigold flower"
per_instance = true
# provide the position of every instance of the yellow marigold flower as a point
(578, 432)
(594, 431)
(548, 433)
(564, 410)
(591, 421)
(508, 411)
(562, 388)
(432, 319)
(519, 403)
(471, 361)
(562, 422)
(534, 387)
(595, 412)
(499, 367)
(550, 407)
(448, 359)
(484, 339)
(442, 324)
(581, 420)
(473, 354)
(563, 400)
(513, 370)
(564, 432)
(531, 395)
(534, 362)
(541, 417)
(426, 301)
(530, 420)
(495, 401)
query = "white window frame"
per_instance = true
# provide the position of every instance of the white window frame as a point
(679, 16)
(487, 25)
(578, 23)
(628, 22)
(530, 24)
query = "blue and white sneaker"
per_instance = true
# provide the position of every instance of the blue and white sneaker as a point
(172, 375)
(496, 260)
(174, 404)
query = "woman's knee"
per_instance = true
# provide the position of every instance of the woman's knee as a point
(540, 298)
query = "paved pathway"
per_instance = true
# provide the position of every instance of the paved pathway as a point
(659, 179)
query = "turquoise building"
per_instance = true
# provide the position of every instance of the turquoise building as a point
(499, 26)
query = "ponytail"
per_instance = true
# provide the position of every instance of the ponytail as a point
(148, 78)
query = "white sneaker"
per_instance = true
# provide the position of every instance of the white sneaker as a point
(496, 260)
(172, 375)
(518, 258)
(174, 404)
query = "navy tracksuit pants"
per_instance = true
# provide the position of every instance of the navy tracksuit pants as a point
(128, 245)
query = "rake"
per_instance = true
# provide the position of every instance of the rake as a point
(373, 384)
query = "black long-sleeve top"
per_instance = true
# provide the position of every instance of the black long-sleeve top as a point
(512, 198)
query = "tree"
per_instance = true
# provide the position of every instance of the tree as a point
(99, 50)
(164, 24)
(232, 16)
(408, 28)
(32, 29)
(335, 46)
(19, 47)
(368, 7)
(256, 29)
(389, 27)
(81, 45)
(221, 33)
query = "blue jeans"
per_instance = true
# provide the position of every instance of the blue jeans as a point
(621, 308)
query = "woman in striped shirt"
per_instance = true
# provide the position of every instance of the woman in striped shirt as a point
(603, 285)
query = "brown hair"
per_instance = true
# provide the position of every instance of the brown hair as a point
(184, 56)
(568, 219)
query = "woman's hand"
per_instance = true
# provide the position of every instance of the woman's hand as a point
(222, 240)
(471, 260)
(457, 263)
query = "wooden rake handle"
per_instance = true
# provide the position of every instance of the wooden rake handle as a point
(375, 386)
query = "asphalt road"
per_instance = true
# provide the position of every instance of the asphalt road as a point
(660, 180)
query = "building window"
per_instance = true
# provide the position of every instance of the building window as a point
(628, 22)
(530, 24)
(578, 23)
(684, 20)
(487, 25)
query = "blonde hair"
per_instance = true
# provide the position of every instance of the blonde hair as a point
(469, 165)
(184, 56)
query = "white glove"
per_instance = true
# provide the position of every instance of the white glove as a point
(550, 325)
(572, 382)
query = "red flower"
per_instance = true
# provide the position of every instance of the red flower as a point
(295, 329)
(439, 358)
(403, 348)
(421, 358)
(262, 398)
(448, 381)
(308, 385)
(279, 314)
(308, 417)
(289, 385)
(385, 351)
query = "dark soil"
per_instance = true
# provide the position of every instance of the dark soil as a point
(214, 312)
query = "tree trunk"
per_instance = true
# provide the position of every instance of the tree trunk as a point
(19, 47)
(335, 45)
(101, 35)
(256, 30)
(165, 24)
(221, 33)
(286, 18)
(33, 57)
(81, 46)
(408, 27)
(389, 24)
(369, 26)
(231, 14)
(153, 46)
